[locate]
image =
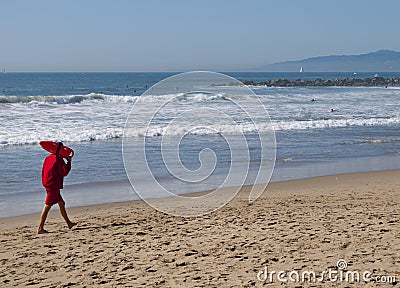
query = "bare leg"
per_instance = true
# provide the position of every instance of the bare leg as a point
(43, 218)
(63, 212)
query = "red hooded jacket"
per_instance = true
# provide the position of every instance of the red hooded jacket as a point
(53, 172)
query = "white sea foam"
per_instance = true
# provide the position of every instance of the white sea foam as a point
(333, 123)
(98, 117)
(99, 131)
(96, 97)
(68, 99)
(371, 141)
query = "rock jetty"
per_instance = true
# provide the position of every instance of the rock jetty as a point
(368, 82)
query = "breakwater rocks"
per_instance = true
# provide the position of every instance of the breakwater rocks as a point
(368, 82)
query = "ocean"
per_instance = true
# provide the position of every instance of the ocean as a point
(343, 130)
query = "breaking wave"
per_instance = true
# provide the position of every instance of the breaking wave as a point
(96, 97)
(83, 132)
(68, 99)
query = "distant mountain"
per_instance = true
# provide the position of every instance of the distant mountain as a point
(379, 61)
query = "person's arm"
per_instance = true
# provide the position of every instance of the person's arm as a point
(66, 167)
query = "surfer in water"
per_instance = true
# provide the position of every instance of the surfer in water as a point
(53, 172)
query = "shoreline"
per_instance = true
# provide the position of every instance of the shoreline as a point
(296, 225)
(120, 191)
(277, 187)
(114, 191)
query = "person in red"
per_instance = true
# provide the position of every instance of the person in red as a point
(53, 172)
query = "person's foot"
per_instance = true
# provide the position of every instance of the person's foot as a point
(71, 224)
(42, 231)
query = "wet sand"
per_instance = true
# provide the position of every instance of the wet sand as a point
(299, 225)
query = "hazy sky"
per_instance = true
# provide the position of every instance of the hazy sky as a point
(169, 35)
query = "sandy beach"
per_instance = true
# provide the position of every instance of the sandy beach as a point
(298, 225)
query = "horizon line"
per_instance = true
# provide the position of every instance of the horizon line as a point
(184, 71)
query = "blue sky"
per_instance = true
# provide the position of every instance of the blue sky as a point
(171, 35)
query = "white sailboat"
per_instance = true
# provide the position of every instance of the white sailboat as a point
(301, 69)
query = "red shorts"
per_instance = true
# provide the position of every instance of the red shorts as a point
(53, 197)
